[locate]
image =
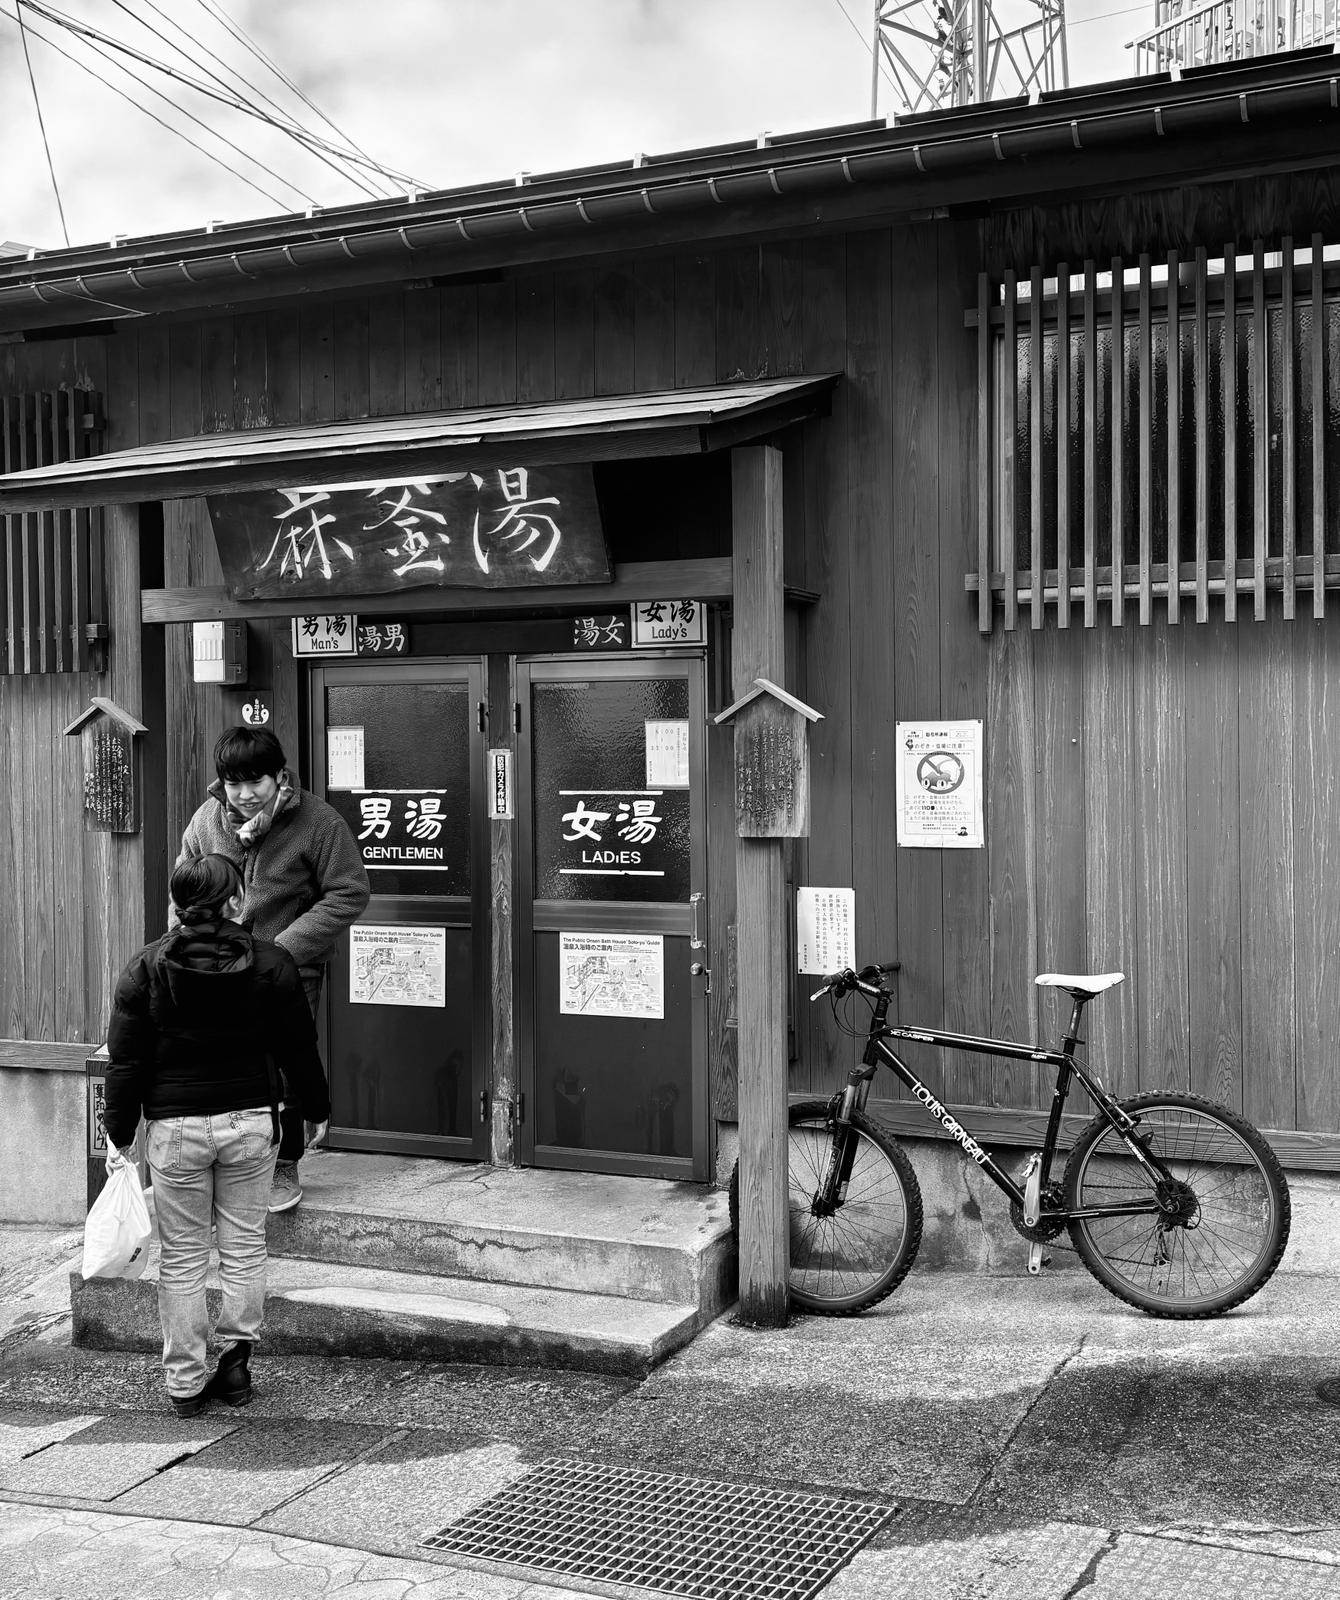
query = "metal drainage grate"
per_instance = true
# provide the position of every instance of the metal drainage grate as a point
(659, 1530)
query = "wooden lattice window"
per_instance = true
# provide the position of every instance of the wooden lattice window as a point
(1201, 465)
(51, 562)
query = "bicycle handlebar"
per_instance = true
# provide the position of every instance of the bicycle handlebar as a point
(846, 982)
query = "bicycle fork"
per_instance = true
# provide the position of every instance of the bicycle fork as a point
(832, 1190)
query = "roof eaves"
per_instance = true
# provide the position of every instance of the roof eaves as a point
(799, 167)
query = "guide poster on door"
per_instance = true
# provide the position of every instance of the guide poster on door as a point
(825, 930)
(940, 785)
(397, 966)
(611, 974)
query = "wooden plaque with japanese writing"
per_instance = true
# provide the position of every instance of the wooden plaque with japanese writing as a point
(772, 772)
(111, 780)
(514, 527)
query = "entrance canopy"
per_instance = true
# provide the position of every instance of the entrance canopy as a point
(663, 423)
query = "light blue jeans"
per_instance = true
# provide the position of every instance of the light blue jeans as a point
(209, 1172)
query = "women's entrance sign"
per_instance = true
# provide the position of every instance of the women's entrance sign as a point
(501, 528)
(940, 785)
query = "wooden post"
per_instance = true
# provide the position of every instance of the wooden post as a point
(758, 651)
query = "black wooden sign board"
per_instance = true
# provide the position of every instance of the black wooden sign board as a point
(509, 527)
(608, 630)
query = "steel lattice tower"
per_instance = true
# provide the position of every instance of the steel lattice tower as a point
(943, 53)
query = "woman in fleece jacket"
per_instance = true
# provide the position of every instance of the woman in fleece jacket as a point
(303, 881)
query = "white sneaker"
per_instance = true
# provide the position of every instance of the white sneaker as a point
(285, 1190)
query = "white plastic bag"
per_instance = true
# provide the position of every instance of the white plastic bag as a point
(116, 1234)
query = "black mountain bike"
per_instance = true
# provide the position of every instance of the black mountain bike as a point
(1176, 1205)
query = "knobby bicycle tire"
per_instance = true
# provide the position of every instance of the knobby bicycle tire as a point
(1235, 1208)
(842, 1264)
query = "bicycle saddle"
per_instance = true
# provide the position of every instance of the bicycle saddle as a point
(1087, 984)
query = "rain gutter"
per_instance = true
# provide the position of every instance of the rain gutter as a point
(1016, 148)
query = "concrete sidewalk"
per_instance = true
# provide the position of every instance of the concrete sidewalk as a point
(1033, 1438)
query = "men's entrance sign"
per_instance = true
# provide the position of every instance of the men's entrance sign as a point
(506, 527)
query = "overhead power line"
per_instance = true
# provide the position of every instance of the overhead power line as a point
(41, 123)
(153, 116)
(213, 8)
(227, 97)
(353, 177)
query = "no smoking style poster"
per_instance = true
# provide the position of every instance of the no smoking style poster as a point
(940, 785)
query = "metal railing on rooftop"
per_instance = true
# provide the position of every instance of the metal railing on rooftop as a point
(1231, 30)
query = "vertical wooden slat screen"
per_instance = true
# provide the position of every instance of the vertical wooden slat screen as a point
(1009, 432)
(26, 621)
(986, 451)
(1260, 431)
(1230, 369)
(1145, 446)
(1170, 519)
(1035, 454)
(1090, 443)
(11, 544)
(1201, 377)
(1318, 433)
(1174, 370)
(51, 562)
(1063, 445)
(1289, 542)
(1115, 430)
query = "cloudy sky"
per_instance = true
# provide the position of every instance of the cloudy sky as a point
(447, 92)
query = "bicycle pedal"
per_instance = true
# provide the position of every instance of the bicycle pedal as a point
(1036, 1260)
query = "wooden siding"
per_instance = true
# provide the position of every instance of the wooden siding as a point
(1162, 800)
(73, 899)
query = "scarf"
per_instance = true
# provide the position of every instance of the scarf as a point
(251, 830)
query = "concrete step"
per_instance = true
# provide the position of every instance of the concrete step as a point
(317, 1308)
(596, 1233)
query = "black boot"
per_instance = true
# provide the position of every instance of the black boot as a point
(231, 1382)
(190, 1405)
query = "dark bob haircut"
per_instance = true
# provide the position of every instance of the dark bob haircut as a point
(245, 754)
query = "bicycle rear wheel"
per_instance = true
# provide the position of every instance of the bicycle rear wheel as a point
(849, 1260)
(1226, 1220)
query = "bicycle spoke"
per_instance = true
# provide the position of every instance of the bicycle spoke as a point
(843, 1255)
(1221, 1220)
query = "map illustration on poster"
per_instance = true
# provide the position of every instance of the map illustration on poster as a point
(397, 966)
(611, 974)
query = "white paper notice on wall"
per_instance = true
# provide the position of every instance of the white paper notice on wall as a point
(940, 785)
(397, 966)
(825, 930)
(667, 755)
(344, 758)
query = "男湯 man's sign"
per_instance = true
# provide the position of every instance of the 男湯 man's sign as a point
(500, 528)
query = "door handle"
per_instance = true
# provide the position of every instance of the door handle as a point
(696, 940)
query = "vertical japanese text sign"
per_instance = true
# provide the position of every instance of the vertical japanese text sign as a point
(111, 766)
(772, 763)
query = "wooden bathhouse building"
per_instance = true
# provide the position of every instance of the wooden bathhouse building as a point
(1015, 426)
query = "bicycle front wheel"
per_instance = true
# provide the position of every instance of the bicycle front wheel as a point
(856, 1255)
(1223, 1215)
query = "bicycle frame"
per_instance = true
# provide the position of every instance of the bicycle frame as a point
(878, 1052)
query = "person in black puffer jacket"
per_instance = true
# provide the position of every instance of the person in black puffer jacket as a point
(203, 1021)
